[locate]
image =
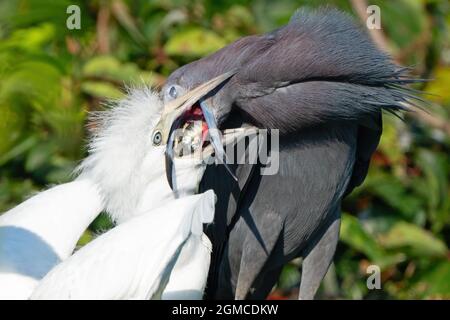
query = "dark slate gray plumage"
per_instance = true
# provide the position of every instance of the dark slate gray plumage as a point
(323, 84)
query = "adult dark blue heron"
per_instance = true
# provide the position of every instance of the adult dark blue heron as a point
(323, 84)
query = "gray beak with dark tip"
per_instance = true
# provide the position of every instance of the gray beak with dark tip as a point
(215, 137)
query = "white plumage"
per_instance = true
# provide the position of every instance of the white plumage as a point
(156, 232)
(125, 165)
(188, 279)
(41, 232)
(122, 160)
(133, 260)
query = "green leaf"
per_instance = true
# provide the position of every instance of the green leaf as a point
(110, 69)
(11, 127)
(194, 42)
(434, 187)
(101, 90)
(27, 81)
(85, 238)
(18, 149)
(289, 277)
(389, 143)
(394, 193)
(413, 240)
(101, 224)
(39, 156)
(434, 283)
(438, 88)
(355, 236)
(403, 20)
(430, 282)
(31, 39)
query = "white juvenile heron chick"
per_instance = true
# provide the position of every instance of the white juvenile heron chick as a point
(158, 235)
(124, 174)
(127, 153)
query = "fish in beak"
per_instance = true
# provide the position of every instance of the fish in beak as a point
(192, 114)
(181, 113)
(184, 171)
(176, 108)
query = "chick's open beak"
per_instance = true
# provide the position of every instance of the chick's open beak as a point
(228, 138)
(175, 109)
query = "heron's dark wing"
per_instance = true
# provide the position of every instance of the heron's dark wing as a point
(367, 142)
(218, 179)
(229, 194)
(279, 214)
(308, 104)
(303, 105)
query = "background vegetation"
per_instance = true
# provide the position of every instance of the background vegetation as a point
(51, 77)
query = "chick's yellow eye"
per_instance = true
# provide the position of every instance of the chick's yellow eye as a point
(157, 138)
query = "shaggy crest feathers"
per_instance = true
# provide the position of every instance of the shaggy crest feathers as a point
(118, 160)
(323, 68)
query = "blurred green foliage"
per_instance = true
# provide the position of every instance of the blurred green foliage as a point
(51, 77)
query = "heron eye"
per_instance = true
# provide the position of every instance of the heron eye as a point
(173, 92)
(157, 138)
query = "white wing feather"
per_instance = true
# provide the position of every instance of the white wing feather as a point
(39, 233)
(134, 260)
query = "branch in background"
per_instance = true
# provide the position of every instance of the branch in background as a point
(73, 46)
(421, 42)
(377, 35)
(432, 120)
(119, 84)
(126, 20)
(380, 39)
(103, 18)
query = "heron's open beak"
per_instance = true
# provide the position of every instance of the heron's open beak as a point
(174, 110)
